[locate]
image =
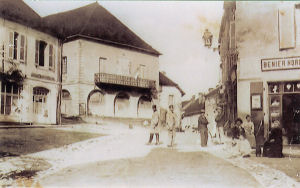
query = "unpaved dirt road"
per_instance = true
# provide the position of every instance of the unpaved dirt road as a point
(162, 167)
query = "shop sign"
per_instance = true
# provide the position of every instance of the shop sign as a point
(280, 63)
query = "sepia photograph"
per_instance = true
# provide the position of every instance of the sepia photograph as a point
(149, 94)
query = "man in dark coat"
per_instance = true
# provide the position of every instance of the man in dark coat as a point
(202, 127)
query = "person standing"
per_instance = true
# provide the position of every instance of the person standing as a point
(259, 137)
(171, 125)
(220, 123)
(249, 130)
(202, 127)
(154, 126)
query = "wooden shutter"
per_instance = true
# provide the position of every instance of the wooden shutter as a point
(286, 23)
(22, 49)
(10, 45)
(50, 56)
(37, 48)
(25, 50)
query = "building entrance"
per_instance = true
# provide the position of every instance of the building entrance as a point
(291, 117)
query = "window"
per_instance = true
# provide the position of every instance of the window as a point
(17, 43)
(171, 100)
(40, 52)
(64, 65)
(10, 96)
(40, 100)
(51, 57)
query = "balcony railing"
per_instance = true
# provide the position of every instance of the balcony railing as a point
(123, 80)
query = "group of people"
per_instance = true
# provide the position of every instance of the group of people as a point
(242, 135)
(170, 124)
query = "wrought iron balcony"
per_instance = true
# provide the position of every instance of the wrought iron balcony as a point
(123, 80)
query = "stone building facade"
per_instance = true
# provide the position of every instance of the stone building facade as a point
(267, 40)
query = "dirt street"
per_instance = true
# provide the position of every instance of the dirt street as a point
(162, 167)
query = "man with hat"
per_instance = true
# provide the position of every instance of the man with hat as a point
(171, 125)
(202, 127)
(220, 123)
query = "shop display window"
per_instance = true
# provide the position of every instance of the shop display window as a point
(274, 88)
(288, 87)
(297, 87)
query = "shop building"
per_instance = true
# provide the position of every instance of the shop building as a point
(29, 66)
(107, 70)
(267, 40)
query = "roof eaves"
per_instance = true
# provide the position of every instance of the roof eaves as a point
(77, 36)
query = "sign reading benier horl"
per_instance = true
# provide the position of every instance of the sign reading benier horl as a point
(280, 63)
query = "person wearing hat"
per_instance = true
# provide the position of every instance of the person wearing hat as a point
(220, 123)
(171, 125)
(202, 127)
(154, 126)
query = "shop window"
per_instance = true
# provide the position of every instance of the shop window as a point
(297, 87)
(40, 100)
(10, 96)
(288, 87)
(40, 52)
(274, 88)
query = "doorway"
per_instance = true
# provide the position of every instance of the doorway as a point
(291, 117)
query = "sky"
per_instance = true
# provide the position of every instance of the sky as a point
(174, 28)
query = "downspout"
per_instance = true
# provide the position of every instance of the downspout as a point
(58, 119)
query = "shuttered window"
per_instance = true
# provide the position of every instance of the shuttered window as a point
(37, 52)
(11, 45)
(286, 23)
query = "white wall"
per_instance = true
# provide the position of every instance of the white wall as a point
(29, 68)
(258, 39)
